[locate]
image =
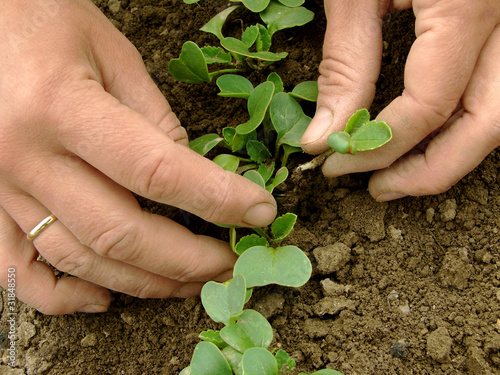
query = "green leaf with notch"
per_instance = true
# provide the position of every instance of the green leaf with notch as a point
(280, 177)
(278, 16)
(288, 120)
(228, 162)
(258, 361)
(216, 55)
(257, 151)
(370, 136)
(339, 142)
(266, 171)
(283, 225)
(251, 330)
(250, 35)
(208, 360)
(249, 241)
(223, 302)
(307, 90)
(357, 120)
(237, 46)
(205, 143)
(258, 102)
(214, 26)
(235, 86)
(278, 82)
(255, 176)
(261, 265)
(191, 66)
(255, 5)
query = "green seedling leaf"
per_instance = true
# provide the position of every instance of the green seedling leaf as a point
(283, 225)
(288, 150)
(237, 142)
(257, 151)
(235, 86)
(261, 265)
(258, 361)
(278, 16)
(191, 66)
(339, 142)
(186, 371)
(250, 35)
(222, 302)
(216, 55)
(213, 337)
(228, 162)
(288, 119)
(214, 26)
(205, 143)
(191, 1)
(281, 176)
(285, 362)
(292, 3)
(278, 82)
(208, 360)
(370, 136)
(254, 176)
(255, 5)
(258, 102)
(263, 42)
(249, 241)
(357, 120)
(237, 46)
(307, 90)
(266, 171)
(251, 330)
(234, 358)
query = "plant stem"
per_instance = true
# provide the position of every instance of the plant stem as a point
(316, 162)
(232, 239)
(261, 233)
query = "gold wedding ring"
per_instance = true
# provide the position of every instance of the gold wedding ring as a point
(41, 227)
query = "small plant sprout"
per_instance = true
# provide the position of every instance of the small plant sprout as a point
(258, 149)
(360, 134)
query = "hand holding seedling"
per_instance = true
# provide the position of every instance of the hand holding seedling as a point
(451, 96)
(82, 124)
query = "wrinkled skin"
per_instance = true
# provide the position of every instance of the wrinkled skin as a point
(82, 126)
(450, 104)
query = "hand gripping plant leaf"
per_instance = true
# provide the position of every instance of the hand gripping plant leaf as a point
(258, 149)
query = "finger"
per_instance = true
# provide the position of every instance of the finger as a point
(63, 251)
(438, 68)
(135, 153)
(35, 283)
(352, 53)
(106, 218)
(125, 77)
(460, 147)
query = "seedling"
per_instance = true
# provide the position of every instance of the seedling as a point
(360, 134)
(258, 149)
(252, 50)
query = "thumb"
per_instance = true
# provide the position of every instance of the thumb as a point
(352, 53)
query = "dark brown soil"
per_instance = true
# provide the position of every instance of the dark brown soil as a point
(406, 287)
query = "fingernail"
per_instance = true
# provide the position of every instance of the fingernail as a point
(383, 197)
(318, 126)
(260, 215)
(93, 309)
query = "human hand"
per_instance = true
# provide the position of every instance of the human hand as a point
(451, 99)
(82, 126)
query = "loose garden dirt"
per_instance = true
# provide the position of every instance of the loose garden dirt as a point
(406, 287)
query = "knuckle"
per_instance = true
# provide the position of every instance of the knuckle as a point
(73, 262)
(118, 241)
